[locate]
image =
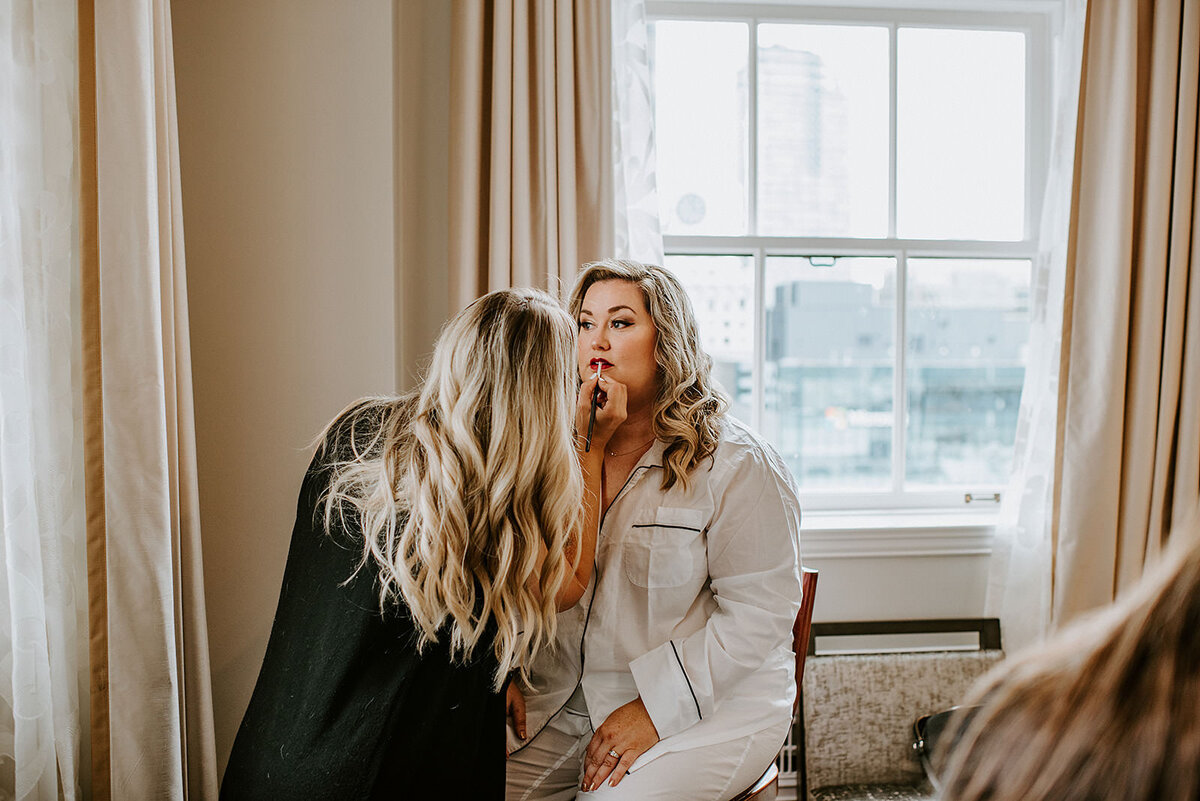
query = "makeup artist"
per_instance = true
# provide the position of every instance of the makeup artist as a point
(437, 535)
(673, 678)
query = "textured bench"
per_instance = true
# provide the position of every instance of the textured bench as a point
(859, 710)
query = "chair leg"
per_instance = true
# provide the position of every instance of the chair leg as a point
(801, 755)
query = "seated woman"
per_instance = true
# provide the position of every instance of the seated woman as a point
(437, 535)
(674, 678)
(1108, 710)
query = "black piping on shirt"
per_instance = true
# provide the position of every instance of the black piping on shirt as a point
(685, 678)
(664, 525)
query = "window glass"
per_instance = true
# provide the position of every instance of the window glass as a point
(701, 113)
(960, 137)
(873, 131)
(967, 332)
(830, 352)
(822, 130)
(721, 289)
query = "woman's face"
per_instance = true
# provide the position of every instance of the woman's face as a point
(616, 333)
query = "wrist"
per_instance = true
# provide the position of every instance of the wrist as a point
(585, 448)
(591, 459)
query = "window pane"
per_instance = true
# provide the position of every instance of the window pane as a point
(701, 114)
(828, 374)
(961, 134)
(822, 130)
(721, 289)
(967, 330)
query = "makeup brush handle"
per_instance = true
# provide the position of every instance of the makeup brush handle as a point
(587, 445)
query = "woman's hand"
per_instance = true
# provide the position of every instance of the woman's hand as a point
(514, 708)
(610, 411)
(621, 739)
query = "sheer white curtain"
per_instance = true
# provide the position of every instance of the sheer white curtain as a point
(1019, 582)
(43, 658)
(637, 232)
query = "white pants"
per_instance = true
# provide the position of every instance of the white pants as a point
(550, 767)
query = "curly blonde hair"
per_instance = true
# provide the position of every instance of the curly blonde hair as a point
(688, 408)
(1106, 711)
(455, 487)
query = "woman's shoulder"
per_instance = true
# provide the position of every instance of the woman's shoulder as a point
(358, 431)
(742, 448)
(737, 437)
(357, 436)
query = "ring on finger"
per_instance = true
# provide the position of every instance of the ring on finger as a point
(613, 754)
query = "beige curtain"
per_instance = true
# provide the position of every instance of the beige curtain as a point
(530, 178)
(152, 733)
(1129, 422)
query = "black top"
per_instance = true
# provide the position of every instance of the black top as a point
(344, 707)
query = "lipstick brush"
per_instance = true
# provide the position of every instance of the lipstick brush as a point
(587, 445)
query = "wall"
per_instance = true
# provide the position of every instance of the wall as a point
(288, 176)
(902, 566)
(422, 177)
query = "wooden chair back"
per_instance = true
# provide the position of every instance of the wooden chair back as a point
(802, 629)
(767, 786)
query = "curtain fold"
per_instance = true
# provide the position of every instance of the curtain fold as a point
(1130, 432)
(530, 184)
(142, 481)
(637, 232)
(42, 560)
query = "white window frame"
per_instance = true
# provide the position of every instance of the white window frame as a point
(970, 506)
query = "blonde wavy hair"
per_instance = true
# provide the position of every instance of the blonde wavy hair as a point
(1109, 710)
(455, 487)
(688, 408)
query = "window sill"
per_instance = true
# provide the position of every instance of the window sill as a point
(896, 533)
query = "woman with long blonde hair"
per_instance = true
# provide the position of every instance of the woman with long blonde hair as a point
(674, 678)
(1108, 710)
(437, 536)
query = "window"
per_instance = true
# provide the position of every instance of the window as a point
(851, 196)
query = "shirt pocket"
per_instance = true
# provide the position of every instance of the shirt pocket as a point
(665, 550)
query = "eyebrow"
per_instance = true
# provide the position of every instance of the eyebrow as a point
(611, 309)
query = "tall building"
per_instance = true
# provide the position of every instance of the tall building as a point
(802, 131)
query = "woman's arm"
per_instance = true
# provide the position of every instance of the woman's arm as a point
(753, 567)
(610, 413)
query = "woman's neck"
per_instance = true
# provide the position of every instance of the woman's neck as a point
(638, 429)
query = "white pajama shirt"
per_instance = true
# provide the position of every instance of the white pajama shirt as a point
(691, 604)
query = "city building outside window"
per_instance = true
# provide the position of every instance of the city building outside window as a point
(851, 196)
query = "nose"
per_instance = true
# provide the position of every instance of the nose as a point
(600, 339)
